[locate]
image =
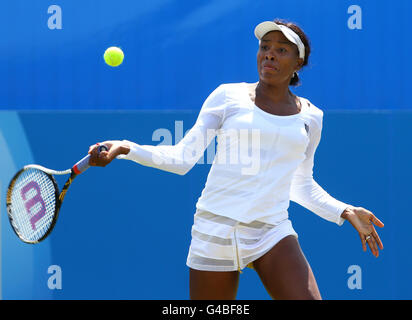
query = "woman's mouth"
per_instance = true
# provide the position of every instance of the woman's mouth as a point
(270, 68)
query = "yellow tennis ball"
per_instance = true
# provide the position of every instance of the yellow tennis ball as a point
(113, 56)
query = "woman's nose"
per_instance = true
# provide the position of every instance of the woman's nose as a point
(270, 56)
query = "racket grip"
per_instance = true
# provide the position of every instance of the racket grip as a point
(83, 164)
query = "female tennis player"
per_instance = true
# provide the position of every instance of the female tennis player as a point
(267, 138)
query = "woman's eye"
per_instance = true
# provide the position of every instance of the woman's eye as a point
(282, 50)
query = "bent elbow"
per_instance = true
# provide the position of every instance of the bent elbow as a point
(184, 169)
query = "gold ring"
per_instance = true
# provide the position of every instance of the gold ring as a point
(368, 237)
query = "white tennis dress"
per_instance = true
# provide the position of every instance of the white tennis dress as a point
(262, 162)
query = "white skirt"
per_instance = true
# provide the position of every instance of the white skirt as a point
(223, 244)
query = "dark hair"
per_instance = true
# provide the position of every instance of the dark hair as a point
(295, 79)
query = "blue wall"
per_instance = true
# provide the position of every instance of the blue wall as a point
(176, 52)
(124, 231)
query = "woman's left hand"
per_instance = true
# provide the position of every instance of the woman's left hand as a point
(363, 221)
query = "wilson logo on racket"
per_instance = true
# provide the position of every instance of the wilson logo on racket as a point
(35, 202)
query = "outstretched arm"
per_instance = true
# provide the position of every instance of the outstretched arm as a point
(308, 193)
(178, 158)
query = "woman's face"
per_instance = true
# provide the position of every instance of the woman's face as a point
(277, 58)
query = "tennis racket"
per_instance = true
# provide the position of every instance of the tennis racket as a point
(33, 199)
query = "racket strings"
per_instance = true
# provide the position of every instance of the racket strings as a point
(32, 204)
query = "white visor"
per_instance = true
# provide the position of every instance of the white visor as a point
(267, 26)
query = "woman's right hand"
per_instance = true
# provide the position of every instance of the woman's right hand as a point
(103, 158)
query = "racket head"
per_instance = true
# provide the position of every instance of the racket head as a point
(32, 204)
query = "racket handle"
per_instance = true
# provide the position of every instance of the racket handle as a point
(83, 164)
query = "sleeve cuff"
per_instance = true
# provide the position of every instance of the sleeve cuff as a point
(342, 207)
(126, 156)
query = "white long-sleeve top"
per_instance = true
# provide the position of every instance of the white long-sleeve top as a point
(262, 160)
